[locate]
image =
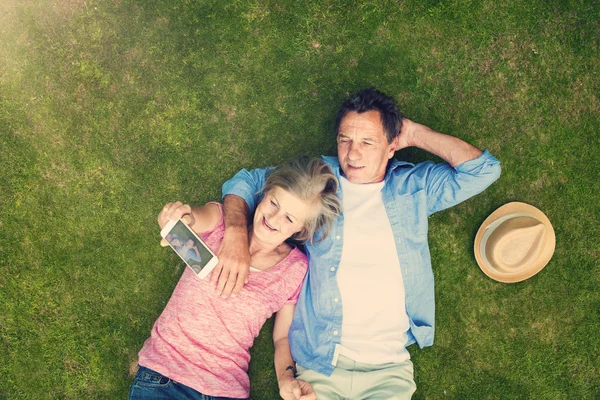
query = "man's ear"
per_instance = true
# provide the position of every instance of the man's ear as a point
(392, 147)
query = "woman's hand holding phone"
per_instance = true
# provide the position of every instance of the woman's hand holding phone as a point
(184, 240)
(175, 211)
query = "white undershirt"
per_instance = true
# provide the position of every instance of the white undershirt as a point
(374, 322)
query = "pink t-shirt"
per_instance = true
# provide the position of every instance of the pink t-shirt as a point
(202, 340)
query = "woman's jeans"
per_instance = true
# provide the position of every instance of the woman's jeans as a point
(150, 385)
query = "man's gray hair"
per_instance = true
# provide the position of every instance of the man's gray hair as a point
(310, 180)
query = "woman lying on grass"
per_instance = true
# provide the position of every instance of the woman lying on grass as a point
(199, 346)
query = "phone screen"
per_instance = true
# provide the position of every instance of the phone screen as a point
(189, 247)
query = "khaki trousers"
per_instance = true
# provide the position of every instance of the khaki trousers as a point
(359, 381)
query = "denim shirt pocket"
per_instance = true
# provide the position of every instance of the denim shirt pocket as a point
(321, 246)
(413, 214)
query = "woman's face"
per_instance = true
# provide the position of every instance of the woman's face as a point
(279, 215)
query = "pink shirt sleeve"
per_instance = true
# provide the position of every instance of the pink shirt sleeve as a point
(294, 297)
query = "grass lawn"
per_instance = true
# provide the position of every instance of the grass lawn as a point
(111, 108)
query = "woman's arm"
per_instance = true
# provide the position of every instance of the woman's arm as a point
(290, 388)
(200, 219)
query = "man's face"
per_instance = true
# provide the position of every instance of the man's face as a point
(363, 149)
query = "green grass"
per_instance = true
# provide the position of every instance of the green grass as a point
(109, 109)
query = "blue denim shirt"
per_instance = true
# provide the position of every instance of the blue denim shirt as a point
(411, 193)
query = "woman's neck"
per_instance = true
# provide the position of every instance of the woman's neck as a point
(265, 255)
(259, 247)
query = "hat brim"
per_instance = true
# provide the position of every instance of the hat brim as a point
(520, 274)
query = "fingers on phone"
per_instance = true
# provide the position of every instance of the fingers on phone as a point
(182, 211)
(164, 243)
(188, 219)
(174, 209)
(177, 210)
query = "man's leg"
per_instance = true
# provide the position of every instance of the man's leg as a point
(338, 386)
(353, 380)
(393, 381)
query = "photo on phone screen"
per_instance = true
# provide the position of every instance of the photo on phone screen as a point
(189, 247)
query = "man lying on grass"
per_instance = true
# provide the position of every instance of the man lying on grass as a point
(369, 290)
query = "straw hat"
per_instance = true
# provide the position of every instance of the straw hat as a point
(514, 243)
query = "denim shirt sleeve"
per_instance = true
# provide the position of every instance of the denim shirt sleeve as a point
(447, 186)
(247, 185)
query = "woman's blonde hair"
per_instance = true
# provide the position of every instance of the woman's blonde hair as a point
(310, 180)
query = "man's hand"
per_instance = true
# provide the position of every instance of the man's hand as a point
(295, 389)
(405, 138)
(234, 263)
(231, 272)
(451, 149)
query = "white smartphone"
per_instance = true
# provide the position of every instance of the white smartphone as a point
(189, 247)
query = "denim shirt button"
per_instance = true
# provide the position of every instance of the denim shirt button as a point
(332, 269)
(338, 237)
(335, 333)
(335, 299)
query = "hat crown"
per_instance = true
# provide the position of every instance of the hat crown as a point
(516, 243)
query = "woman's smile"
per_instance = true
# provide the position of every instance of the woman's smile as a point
(268, 226)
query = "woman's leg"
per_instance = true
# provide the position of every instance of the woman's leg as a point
(151, 385)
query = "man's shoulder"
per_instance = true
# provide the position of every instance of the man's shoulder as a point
(332, 161)
(403, 169)
(406, 165)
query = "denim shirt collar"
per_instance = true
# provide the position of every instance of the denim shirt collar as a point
(392, 165)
